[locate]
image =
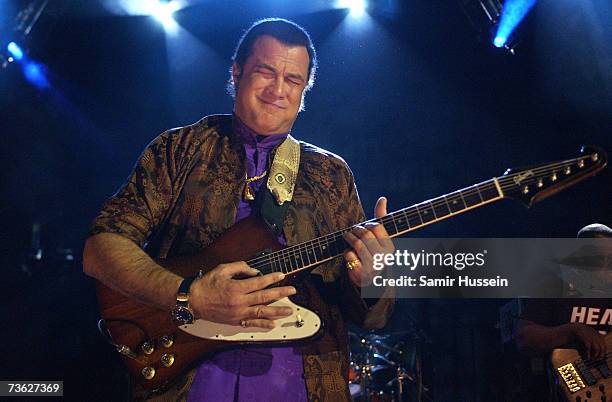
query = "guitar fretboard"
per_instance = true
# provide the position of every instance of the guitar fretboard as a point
(325, 248)
(525, 183)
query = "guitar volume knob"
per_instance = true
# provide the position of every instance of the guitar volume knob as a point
(148, 373)
(147, 347)
(167, 359)
(166, 341)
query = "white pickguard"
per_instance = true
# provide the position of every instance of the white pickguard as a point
(287, 329)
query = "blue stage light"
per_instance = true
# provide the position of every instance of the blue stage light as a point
(499, 41)
(35, 73)
(15, 51)
(512, 14)
(356, 8)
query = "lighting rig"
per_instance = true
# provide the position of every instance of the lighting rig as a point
(14, 49)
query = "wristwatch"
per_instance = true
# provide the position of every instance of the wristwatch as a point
(182, 313)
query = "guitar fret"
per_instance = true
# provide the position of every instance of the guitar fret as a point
(394, 223)
(318, 251)
(295, 260)
(441, 207)
(287, 262)
(489, 191)
(426, 213)
(414, 218)
(402, 221)
(405, 224)
(447, 204)
(476, 186)
(336, 247)
(277, 267)
(389, 225)
(304, 257)
(471, 197)
(457, 202)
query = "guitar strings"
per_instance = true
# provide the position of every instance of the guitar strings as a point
(296, 251)
(590, 363)
(506, 182)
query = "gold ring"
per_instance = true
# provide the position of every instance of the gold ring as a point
(353, 264)
(243, 324)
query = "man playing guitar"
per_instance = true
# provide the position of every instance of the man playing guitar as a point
(193, 183)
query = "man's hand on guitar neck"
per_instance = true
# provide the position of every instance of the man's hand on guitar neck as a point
(365, 241)
(218, 297)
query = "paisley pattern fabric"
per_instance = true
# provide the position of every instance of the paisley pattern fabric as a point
(184, 192)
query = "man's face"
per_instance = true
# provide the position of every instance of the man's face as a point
(269, 87)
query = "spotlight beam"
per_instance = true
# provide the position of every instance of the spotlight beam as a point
(512, 14)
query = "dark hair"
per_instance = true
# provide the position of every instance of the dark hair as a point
(287, 32)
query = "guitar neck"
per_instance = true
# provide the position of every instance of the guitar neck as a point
(528, 185)
(313, 252)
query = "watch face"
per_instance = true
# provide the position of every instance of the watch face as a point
(183, 315)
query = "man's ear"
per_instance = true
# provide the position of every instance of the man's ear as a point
(236, 73)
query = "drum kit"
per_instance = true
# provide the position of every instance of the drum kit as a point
(385, 368)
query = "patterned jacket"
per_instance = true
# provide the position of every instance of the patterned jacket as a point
(184, 191)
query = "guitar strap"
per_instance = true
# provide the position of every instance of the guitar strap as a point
(274, 203)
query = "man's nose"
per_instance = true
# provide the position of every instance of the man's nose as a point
(277, 87)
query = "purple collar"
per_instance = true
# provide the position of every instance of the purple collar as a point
(251, 138)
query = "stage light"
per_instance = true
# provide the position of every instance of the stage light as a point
(512, 14)
(15, 51)
(35, 73)
(356, 7)
(162, 11)
(499, 41)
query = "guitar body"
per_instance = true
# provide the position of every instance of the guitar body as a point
(582, 379)
(134, 326)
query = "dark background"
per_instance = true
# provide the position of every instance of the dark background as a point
(407, 94)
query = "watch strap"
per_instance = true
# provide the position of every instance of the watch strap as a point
(184, 287)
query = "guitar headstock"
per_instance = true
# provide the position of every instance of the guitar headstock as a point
(535, 183)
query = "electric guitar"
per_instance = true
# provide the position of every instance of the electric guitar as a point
(156, 350)
(583, 379)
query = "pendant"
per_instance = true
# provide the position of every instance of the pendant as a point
(248, 193)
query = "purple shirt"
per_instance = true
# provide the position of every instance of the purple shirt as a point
(252, 374)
